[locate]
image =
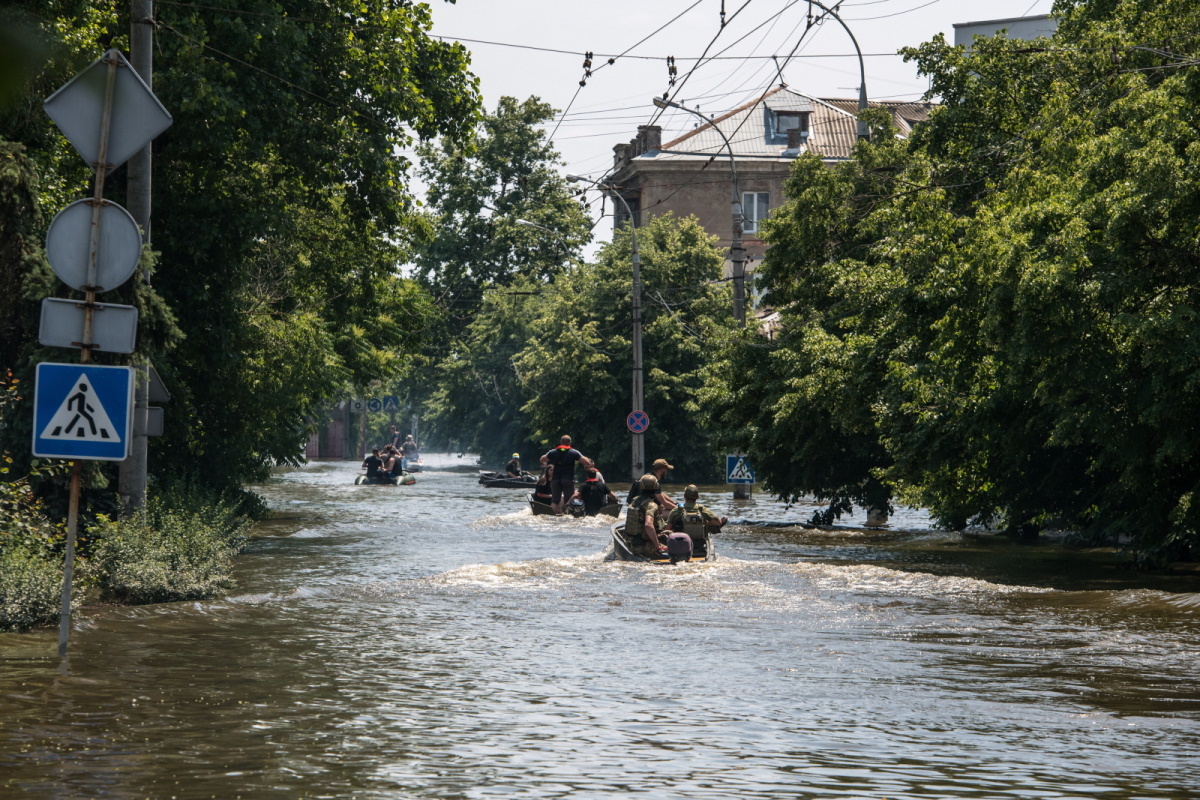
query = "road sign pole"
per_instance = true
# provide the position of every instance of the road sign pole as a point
(85, 356)
(64, 625)
(132, 473)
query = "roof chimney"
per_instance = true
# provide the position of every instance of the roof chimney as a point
(620, 155)
(650, 138)
(797, 139)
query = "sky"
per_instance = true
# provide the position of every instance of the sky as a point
(524, 48)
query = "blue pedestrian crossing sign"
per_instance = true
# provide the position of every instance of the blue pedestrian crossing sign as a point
(737, 470)
(82, 411)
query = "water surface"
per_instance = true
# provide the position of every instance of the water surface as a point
(436, 640)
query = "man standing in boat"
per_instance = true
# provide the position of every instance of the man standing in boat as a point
(643, 522)
(659, 470)
(563, 459)
(409, 451)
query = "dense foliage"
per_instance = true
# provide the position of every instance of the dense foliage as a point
(180, 547)
(280, 197)
(540, 360)
(478, 190)
(997, 319)
(30, 576)
(473, 243)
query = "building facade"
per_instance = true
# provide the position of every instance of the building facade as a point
(691, 175)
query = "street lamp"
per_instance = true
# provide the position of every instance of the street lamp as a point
(638, 445)
(863, 131)
(737, 253)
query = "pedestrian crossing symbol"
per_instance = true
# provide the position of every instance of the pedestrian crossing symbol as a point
(82, 411)
(737, 470)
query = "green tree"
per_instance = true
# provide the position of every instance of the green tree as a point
(803, 404)
(478, 189)
(280, 192)
(476, 395)
(472, 250)
(577, 364)
(1002, 308)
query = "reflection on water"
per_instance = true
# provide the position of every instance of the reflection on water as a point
(436, 640)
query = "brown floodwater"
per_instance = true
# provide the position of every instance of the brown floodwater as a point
(437, 641)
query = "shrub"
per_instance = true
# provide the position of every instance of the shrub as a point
(30, 552)
(30, 587)
(180, 548)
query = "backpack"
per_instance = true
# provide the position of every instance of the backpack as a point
(692, 523)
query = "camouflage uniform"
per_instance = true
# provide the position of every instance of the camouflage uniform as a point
(635, 524)
(693, 519)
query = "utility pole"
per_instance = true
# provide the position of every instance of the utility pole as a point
(638, 444)
(132, 475)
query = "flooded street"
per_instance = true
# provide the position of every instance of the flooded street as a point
(438, 641)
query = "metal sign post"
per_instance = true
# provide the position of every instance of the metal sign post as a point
(81, 411)
(85, 348)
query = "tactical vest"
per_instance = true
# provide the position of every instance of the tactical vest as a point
(693, 522)
(635, 518)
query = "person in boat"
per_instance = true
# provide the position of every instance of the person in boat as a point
(392, 463)
(588, 463)
(563, 459)
(394, 436)
(409, 453)
(594, 493)
(542, 491)
(373, 463)
(513, 467)
(409, 449)
(643, 524)
(659, 470)
(694, 519)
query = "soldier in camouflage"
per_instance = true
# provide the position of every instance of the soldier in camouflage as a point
(643, 524)
(694, 519)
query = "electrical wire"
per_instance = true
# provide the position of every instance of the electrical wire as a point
(897, 14)
(588, 73)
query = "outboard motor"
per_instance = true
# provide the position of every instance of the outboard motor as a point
(679, 547)
(576, 507)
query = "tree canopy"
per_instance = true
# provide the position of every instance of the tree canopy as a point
(281, 194)
(995, 318)
(540, 360)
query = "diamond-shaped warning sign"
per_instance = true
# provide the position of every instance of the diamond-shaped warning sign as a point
(78, 110)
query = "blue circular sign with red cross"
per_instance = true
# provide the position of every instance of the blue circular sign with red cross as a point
(637, 421)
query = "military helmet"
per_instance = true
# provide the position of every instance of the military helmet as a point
(649, 482)
(690, 492)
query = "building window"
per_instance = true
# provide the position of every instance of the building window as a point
(754, 210)
(779, 123)
(619, 215)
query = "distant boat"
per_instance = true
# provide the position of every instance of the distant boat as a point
(404, 480)
(623, 549)
(502, 480)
